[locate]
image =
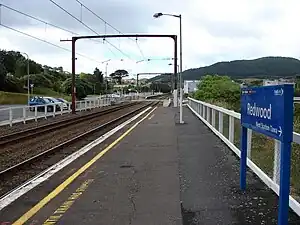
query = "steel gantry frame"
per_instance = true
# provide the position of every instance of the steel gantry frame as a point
(74, 39)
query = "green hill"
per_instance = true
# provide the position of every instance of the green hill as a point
(256, 68)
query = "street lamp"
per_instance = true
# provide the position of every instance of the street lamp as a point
(106, 65)
(106, 61)
(28, 85)
(157, 15)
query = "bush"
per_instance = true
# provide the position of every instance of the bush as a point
(81, 88)
(39, 80)
(13, 84)
(218, 89)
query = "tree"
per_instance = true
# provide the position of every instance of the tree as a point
(80, 88)
(13, 84)
(3, 73)
(20, 67)
(99, 75)
(39, 80)
(118, 75)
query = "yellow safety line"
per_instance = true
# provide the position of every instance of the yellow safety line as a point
(68, 181)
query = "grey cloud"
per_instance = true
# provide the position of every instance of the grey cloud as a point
(239, 29)
(127, 16)
(228, 29)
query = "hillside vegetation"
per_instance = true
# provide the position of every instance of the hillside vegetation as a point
(55, 82)
(262, 67)
(46, 80)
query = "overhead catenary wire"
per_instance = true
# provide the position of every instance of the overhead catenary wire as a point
(108, 24)
(50, 24)
(47, 42)
(104, 21)
(88, 27)
(140, 49)
(37, 19)
(45, 22)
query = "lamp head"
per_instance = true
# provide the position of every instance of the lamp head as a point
(156, 15)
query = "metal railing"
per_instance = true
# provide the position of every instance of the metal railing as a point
(17, 114)
(214, 117)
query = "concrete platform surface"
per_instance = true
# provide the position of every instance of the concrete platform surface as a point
(161, 173)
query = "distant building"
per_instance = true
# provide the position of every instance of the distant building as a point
(277, 82)
(190, 86)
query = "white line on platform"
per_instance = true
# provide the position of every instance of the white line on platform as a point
(35, 181)
(151, 116)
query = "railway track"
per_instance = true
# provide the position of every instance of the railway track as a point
(18, 173)
(31, 132)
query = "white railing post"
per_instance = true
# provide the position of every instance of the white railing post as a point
(10, 116)
(80, 106)
(54, 110)
(249, 143)
(45, 111)
(85, 105)
(276, 168)
(208, 114)
(61, 109)
(200, 109)
(24, 114)
(35, 113)
(221, 122)
(203, 111)
(231, 129)
(213, 115)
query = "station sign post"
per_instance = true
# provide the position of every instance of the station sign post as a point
(269, 110)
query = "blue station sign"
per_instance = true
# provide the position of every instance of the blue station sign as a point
(269, 110)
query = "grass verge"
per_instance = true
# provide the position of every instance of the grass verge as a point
(10, 98)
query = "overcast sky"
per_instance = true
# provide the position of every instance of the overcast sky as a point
(213, 31)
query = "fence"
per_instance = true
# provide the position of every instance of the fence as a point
(225, 124)
(17, 114)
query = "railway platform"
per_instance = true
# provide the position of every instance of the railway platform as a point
(154, 171)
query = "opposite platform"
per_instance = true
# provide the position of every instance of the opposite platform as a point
(160, 173)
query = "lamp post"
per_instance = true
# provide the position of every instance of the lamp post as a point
(106, 61)
(106, 65)
(170, 64)
(28, 85)
(156, 15)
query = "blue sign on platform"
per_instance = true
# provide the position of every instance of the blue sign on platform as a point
(269, 110)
